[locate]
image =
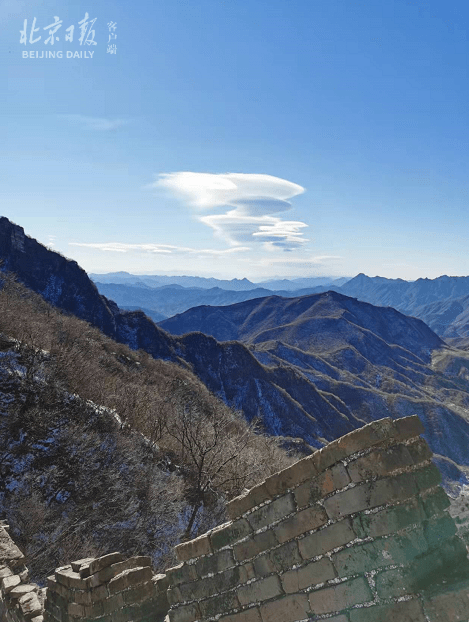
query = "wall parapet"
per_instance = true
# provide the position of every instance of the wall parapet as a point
(358, 531)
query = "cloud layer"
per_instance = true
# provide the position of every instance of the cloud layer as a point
(253, 198)
(156, 249)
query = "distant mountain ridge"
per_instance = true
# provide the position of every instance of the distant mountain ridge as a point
(125, 278)
(314, 367)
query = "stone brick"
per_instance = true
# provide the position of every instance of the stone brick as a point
(22, 589)
(392, 583)
(449, 605)
(273, 512)
(222, 603)
(255, 545)
(109, 572)
(434, 501)
(340, 596)
(406, 611)
(390, 519)
(161, 583)
(278, 560)
(309, 575)
(326, 539)
(301, 522)
(229, 533)
(438, 529)
(67, 577)
(327, 482)
(286, 609)
(30, 605)
(380, 462)
(128, 578)
(428, 477)
(279, 483)
(194, 548)
(8, 583)
(371, 494)
(219, 561)
(367, 436)
(76, 611)
(109, 605)
(408, 427)
(103, 562)
(260, 590)
(419, 450)
(248, 615)
(174, 595)
(86, 561)
(5, 572)
(183, 573)
(139, 593)
(242, 504)
(214, 585)
(187, 613)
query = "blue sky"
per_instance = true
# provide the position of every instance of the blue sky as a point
(242, 138)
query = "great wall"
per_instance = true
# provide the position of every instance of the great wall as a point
(357, 532)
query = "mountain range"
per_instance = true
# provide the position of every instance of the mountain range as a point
(313, 367)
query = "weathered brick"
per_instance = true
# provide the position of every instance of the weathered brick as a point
(255, 545)
(334, 478)
(109, 605)
(434, 501)
(248, 615)
(340, 596)
(406, 611)
(439, 529)
(326, 539)
(390, 519)
(67, 577)
(109, 572)
(103, 562)
(222, 603)
(286, 609)
(428, 477)
(219, 561)
(242, 504)
(419, 450)
(278, 560)
(309, 575)
(194, 548)
(76, 611)
(260, 590)
(128, 578)
(408, 427)
(8, 583)
(449, 605)
(30, 605)
(86, 561)
(301, 522)
(22, 589)
(5, 572)
(174, 595)
(229, 533)
(138, 593)
(214, 585)
(392, 583)
(371, 494)
(290, 477)
(380, 462)
(272, 512)
(183, 573)
(187, 613)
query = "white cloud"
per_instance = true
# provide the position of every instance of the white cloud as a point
(95, 123)
(254, 198)
(164, 249)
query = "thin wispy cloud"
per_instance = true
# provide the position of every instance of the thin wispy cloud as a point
(253, 199)
(163, 249)
(100, 124)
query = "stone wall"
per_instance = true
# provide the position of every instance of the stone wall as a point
(20, 600)
(357, 532)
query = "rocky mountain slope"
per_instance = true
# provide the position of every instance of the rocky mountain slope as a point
(310, 371)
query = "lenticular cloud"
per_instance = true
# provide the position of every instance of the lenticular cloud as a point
(253, 200)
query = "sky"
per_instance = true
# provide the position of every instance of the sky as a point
(239, 138)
